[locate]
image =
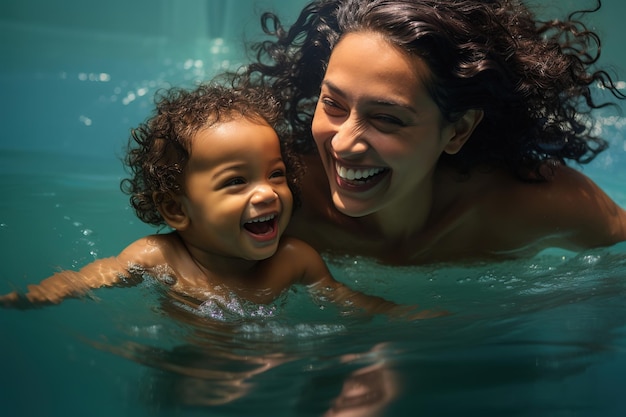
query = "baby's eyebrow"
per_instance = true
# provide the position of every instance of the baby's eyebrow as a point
(235, 167)
(230, 168)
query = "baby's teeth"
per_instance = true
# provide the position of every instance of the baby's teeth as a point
(261, 219)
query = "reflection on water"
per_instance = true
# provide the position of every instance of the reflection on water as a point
(538, 337)
(241, 363)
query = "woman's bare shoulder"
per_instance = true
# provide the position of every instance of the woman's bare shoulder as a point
(569, 211)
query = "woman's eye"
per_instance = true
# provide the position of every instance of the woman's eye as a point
(386, 123)
(331, 108)
(387, 119)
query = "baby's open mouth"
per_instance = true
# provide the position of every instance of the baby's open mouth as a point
(261, 225)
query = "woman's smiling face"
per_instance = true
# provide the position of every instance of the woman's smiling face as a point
(378, 132)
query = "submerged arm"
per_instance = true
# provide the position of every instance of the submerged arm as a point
(323, 286)
(67, 284)
(328, 288)
(106, 272)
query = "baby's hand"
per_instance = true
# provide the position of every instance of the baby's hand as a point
(34, 299)
(13, 300)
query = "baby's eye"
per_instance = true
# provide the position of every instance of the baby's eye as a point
(233, 182)
(278, 173)
(278, 176)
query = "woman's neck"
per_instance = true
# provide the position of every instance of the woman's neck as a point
(405, 217)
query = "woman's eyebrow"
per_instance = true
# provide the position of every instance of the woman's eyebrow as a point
(332, 87)
(378, 101)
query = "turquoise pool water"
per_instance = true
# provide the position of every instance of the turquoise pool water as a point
(538, 337)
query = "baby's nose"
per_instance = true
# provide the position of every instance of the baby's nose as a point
(264, 194)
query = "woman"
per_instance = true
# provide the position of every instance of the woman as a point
(439, 130)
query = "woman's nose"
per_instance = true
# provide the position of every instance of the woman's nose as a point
(349, 139)
(264, 194)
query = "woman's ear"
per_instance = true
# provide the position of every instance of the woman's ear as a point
(463, 129)
(171, 208)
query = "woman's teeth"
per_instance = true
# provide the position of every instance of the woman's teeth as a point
(358, 174)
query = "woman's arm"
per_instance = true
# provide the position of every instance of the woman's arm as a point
(570, 211)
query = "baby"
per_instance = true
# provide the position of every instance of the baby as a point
(209, 165)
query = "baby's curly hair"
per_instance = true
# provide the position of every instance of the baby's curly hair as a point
(158, 149)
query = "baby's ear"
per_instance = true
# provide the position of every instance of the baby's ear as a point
(171, 208)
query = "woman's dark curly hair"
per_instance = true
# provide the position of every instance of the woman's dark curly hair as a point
(158, 149)
(533, 79)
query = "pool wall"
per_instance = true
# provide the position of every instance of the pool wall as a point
(77, 75)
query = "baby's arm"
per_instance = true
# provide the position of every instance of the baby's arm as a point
(321, 283)
(66, 284)
(106, 272)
